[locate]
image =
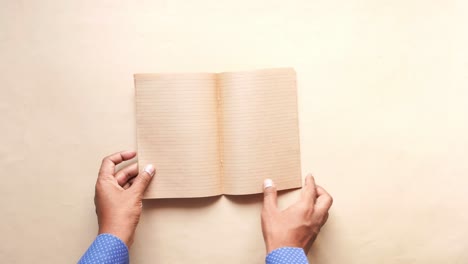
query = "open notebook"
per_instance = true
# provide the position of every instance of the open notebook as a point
(218, 133)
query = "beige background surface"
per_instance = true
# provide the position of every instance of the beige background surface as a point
(383, 117)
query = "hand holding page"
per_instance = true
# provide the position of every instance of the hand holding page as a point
(212, 134)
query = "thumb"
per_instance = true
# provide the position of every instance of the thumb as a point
(143, 179)
(269, 195)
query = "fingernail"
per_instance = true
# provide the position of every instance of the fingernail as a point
(267, 183)
(150, 170)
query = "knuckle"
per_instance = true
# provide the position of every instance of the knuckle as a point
(324, 219)
(323, 210)
(306, 207)
(105, 159)
(145, 178)
(98, 185)
(308, 220)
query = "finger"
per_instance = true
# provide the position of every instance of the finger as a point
(109, 162)
(128, 184)
(324, 200)
(127, 173)
(309, 192)
(325, 219)
(270, 201)
(143, 179)
(320, 190)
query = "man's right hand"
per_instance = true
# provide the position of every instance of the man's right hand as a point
(119, 196)
(298, 225)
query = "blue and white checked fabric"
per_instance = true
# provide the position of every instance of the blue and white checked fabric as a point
(109, 249)
(289, 255)
(106, 249)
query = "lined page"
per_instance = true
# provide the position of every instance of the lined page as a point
(177, 131)
(260, 134)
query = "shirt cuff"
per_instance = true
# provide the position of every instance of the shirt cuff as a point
(287, 255)
(106, 249)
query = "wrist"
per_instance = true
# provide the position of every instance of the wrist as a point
(121, 233)
(270, 247)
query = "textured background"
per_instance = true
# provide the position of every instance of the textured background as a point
(382, 105)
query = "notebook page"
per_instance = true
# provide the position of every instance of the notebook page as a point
(260, 130)
(177, 131)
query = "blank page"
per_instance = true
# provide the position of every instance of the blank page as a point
(177, 132)
(260, 135)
